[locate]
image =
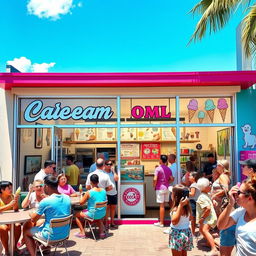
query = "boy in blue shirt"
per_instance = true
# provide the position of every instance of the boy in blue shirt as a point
(54, 206)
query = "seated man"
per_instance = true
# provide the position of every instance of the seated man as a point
(55, 206)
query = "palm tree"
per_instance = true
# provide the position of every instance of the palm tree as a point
(216, 13)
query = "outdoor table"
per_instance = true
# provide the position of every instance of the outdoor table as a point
(11, 217)
(75, 200)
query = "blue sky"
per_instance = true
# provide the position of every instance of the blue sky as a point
(111, 36)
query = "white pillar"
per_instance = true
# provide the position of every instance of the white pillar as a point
(6, 134)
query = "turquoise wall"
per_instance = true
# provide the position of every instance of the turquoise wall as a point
(246, 114)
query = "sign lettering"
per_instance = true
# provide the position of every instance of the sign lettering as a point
(35, 111)
(155, 112)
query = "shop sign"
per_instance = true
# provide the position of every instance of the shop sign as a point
(154, 112)
(131, 196)
(36, 111)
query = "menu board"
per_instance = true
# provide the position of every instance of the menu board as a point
(128, 134)
(84, 134)
(168, 133)
(150, 151)
(106, 134)
(130, 151)
(150, 134)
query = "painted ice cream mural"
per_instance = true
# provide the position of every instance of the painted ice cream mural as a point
(201, 116)
(192, 108)
(222, 107)
(210, 108)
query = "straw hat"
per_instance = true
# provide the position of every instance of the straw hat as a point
(224, 163)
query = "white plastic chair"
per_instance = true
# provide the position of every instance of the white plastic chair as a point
(92, 221)
(55, 223)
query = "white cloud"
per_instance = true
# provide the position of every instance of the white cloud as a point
(51, 9)
(22, 64)
(25, 65)
(42, 68)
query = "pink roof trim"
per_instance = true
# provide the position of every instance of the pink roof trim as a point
(245, 79)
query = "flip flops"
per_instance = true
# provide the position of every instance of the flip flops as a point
(79, 235)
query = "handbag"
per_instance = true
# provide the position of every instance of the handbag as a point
(224, 200)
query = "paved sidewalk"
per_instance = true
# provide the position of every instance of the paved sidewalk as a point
(127, 240)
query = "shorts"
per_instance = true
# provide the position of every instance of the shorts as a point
(162, 196)
(37, 231)
(193, 207)
(112, 200)
(181, 239)
(228, 236)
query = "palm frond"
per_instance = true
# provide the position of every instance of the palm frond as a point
(201, 7)
(214, 17)
(249, 32)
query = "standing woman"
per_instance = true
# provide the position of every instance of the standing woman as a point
(8, 201)
(244, 217)
(220, 188)
(111, 194)
(220, 185)
(248, 167)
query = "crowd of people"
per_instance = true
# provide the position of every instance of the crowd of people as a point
(208, 200)
(49, 197)
(201, 204)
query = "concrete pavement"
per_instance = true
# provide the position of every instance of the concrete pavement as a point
(132, 240)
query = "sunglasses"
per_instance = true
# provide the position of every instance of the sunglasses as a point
(240, 192)
(109, 164)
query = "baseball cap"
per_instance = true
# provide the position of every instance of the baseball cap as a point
(249, 162)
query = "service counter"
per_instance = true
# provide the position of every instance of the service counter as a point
(150, 191)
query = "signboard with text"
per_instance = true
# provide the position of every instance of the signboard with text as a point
(150, 151)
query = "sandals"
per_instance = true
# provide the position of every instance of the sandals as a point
(113, 226)
(79, 235)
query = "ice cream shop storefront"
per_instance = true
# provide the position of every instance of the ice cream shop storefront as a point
(131, 118)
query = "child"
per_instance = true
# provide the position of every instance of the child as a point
(205, 214)
(180, 238)
(8, 201)
(193, 196)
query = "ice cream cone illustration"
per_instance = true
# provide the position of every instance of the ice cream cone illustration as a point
(192, 108)
(222, 107)
(201, 116)
(77, 133)
(210, 108)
